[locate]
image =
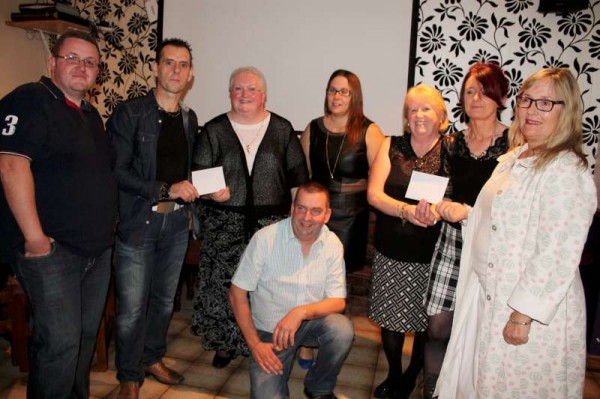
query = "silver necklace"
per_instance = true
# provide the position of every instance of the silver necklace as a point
(248, 146)
(337, 158)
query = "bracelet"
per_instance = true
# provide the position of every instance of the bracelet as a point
(401, 209)
(520, 323)
(469, 208)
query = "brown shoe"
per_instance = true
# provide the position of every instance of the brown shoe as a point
(129, 390)
(164, 374)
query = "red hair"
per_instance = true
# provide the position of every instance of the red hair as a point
(492, 80)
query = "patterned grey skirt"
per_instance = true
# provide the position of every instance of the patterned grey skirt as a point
(397, 294)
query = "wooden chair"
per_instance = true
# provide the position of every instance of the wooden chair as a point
(16, 310)
(16, 324)
(106, 330)
(189, 273)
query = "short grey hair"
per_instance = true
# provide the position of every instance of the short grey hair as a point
(250, 69)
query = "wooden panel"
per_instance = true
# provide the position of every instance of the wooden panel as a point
(50, 26)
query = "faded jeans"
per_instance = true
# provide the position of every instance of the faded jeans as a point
(146, 279)
(333, 336)
(67, 293)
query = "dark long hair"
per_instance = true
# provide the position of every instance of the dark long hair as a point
(355, 111)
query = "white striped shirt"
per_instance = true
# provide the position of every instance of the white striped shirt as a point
(280, 278)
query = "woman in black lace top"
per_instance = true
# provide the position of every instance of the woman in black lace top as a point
(403, 250)
(473, 157)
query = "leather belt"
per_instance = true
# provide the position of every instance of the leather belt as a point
(166, 207)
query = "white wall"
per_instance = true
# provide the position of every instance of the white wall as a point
(297, 45)
(23, 55)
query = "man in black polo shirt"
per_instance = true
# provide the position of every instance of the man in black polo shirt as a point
(153, 137)
(58, 209)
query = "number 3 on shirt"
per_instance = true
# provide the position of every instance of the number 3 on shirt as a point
(11, 125)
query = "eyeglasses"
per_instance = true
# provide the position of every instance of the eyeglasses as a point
(238, 91)
(541, 104)
(332, 91)
(73, 59)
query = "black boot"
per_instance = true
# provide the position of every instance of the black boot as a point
(429, 382)
(386, 390)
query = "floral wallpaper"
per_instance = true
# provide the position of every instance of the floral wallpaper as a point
(127, 49)
(454, 34)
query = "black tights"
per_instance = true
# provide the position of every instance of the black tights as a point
(438, 334)
(392, 346)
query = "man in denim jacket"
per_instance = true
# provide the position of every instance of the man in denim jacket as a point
(153, 137)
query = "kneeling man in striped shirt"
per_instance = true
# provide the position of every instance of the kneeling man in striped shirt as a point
(294, 273)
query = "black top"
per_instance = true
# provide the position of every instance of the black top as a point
(469, 173)
(172, 151)
(403, 241)
(278, 167)
(75, 193)
(348, 187)
(350, 165)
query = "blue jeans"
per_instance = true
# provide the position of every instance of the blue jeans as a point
(333, 336)
(146, 279)
(67, 293)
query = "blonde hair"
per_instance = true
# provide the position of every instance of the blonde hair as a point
(568, 134)
(437, 102)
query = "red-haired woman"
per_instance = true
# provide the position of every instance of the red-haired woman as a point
(473, 157)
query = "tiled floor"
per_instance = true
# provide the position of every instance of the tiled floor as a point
(364, 368)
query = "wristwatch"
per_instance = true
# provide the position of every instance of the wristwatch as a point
(164, 194)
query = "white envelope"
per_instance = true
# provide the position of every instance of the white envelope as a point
(208, 181)
(426, 186)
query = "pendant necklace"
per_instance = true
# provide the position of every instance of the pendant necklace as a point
(337, 158)
(420, 161)
(248, 146)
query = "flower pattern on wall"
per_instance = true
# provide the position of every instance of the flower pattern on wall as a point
(452, 35)
(127, 50)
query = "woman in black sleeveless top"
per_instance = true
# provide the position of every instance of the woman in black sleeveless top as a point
(340, 148)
